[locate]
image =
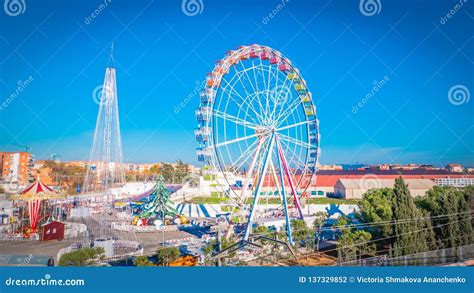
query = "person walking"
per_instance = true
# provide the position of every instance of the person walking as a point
(51, 262)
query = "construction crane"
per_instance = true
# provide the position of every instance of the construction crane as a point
(26, 147)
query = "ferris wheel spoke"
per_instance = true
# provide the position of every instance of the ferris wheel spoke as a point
(248, 176)
(250, 106)
(244, 155)
(287, 97)
(294, 140)
(234, 119)
(288, 111)
(236, 140)
(254, 89)
(243, 101)
(262, 110)
(275, 102)
(297, 159)
(294, 125)
(244, 70)
(269, 82)
(266, 87)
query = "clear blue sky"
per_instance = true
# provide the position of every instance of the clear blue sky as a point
(161, 54)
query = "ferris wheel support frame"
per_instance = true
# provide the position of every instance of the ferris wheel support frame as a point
(256, 197)
(285, 205)
(290, 180)
(250, 171)
(274, 142)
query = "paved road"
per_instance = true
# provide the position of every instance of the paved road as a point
(13, 250)
(99, 226)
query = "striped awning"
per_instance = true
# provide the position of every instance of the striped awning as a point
(37, 190)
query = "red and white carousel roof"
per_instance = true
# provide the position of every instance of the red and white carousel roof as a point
(37, 190)
(37, 187)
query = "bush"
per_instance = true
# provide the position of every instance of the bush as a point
(166, 255)
(81, 257)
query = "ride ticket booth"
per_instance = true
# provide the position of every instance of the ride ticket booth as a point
(52, 231)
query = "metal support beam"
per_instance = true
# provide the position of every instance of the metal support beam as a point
(268, 155)
(290, 180)
(283, 197)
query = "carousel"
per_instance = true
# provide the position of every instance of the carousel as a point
(35, 204)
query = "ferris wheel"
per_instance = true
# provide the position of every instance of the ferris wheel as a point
(257, 121)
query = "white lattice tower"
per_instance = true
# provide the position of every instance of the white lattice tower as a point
(105, 168)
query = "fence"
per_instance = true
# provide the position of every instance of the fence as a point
(124, 227)
(17, 237)
(121, 249)
(429, 258)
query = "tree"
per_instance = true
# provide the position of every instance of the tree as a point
(181, 171)
(404, 228)
(213, 246)
(166, 255)
(167, 170)
(142, 261)
(300, 231)
(66, 176)
(376, 206)
(263, 231)
(410, 229)
(320, 218)
(81, 257)
(161, 204)
(450, 215)
(155, 169)
(353, 245)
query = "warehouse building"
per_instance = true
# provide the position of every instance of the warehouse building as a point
(355, 188)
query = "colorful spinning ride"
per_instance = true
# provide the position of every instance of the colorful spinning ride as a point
(257, 119)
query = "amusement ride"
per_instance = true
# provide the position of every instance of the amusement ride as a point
(257, 118)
